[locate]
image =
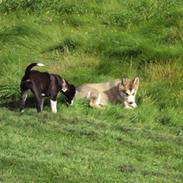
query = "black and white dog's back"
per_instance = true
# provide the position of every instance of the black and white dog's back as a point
(44, 84)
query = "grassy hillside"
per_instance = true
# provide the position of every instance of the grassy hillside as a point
(93, 41)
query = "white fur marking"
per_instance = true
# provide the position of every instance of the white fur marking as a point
(133, 91)
(98, 99)
(43, 94)
(42, 104)
(53, 106)
(64, 85)
(131, 99)
(64, 89)
(72, 102)
(40, 64)
(134, 105)
(25, 96)
(89, 94)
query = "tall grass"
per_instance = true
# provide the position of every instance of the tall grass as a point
(136, 36)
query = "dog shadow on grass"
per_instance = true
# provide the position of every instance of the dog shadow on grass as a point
(14, 105)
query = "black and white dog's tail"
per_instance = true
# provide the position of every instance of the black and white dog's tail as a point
(29, 67)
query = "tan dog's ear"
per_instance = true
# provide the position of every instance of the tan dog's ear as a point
(121, 87)
(64, 85)
(124, 81)
(136, 82)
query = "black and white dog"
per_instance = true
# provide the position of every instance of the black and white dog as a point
(43, 84)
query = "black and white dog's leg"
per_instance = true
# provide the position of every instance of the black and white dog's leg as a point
(53, 104)
(23, 98)
(39, 103)
(42, 103)
(39, 100)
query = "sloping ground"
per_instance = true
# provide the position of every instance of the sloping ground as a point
(70, 147)
(105, 40)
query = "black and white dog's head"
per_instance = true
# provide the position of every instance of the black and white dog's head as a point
(69, 91)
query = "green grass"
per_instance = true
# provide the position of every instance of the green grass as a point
(76, 146)
(105, 40)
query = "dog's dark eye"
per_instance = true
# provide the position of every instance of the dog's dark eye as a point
(126, 94)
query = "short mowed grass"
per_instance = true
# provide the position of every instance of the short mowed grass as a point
(93, 41)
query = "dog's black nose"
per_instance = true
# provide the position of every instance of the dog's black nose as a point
(130, 103)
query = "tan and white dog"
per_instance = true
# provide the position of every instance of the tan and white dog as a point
(121, 91)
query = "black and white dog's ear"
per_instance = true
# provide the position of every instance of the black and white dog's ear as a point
(64, 85)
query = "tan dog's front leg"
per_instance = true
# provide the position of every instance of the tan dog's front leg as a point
(95, 101)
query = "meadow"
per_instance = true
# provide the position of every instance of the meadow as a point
(93, 41)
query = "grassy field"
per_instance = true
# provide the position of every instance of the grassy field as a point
(93, 41)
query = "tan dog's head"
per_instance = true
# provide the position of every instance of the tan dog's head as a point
(128, 89)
